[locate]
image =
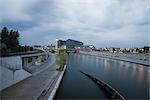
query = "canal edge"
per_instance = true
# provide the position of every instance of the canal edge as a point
(121, 59)
(56, 87)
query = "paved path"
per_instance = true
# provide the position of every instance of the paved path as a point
(32, 87)
(39, 68)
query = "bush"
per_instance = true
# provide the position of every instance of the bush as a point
(61, 59)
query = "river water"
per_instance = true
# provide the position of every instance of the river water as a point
(129, 79)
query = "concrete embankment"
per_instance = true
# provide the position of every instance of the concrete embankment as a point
(133, 58)
(32, 87)
(111, 92)
(56, 87)
(11, 71)
(16, 68)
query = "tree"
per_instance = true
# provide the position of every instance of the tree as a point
(114, 50)
(10, 39)
(3, 49)
(146, 49)
(4, 41)
(9, 42)
(4, 35)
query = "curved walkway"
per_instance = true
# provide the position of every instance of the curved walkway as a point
(32, 87)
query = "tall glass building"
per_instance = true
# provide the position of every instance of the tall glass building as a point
(71, 44)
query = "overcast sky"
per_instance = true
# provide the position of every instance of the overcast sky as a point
(104, 23)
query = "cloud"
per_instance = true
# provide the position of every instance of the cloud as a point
(17, 10)
(100, 22)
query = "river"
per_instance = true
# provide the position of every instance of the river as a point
(129, 79)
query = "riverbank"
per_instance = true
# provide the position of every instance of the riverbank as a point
(50, 91)
(56, 87)
(143, 59)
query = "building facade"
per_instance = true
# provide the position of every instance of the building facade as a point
(73, 44)
(70, 45)
(61, 43)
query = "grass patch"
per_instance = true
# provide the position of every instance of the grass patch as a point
(61, 59)
(37, 50)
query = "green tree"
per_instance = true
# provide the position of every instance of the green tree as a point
(10, 39)
(9, 42)
(4, 41)
(4, 36)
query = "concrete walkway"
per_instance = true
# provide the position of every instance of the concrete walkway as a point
(39, 68)
(33, 87)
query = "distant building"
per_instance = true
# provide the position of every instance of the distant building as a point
(85, 48)
(37, 46)
(61, 43)
(146, 49)
(117, 50)
(69, 45)
(73, 44)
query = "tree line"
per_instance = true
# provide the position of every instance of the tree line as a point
(9, 42)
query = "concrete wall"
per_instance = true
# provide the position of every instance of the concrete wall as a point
(20, 75)
(13, 61)
(6, 77)
(9, 77)
(9, 71)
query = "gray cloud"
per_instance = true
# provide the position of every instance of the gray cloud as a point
(104, 23)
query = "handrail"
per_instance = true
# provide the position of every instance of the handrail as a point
(36, 54)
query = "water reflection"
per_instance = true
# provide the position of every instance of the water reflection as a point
(129, 79)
